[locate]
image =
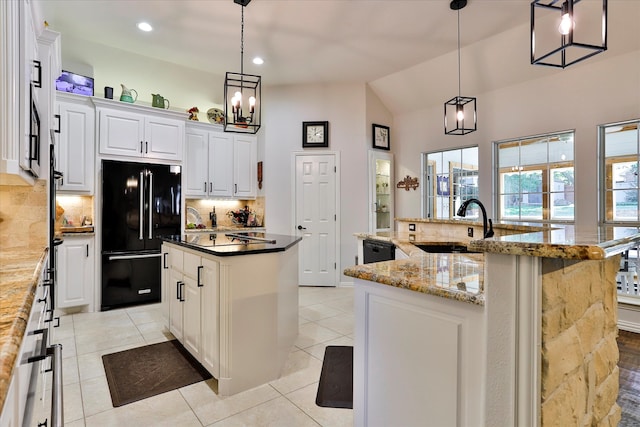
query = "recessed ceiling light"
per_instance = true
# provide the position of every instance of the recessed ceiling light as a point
(144, 26)
(258, 61)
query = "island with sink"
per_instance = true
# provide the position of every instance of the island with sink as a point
(515, 329)
(232, 300)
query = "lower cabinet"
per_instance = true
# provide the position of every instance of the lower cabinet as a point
(75, 271)
(191, 286)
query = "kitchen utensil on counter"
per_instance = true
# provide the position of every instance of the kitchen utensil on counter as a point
(159, 101)
(126, 94)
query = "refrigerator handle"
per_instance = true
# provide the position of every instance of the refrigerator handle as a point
(140, 213)
(150, 205)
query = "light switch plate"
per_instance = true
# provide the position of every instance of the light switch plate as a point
(412, 227)
(470, 231)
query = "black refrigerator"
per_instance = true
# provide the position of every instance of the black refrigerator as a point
(140, 204)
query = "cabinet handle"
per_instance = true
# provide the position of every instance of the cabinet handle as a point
(211, 187)
(235, 188)
(38, 81)
(146, 147)
(205, 186)
(182, 291)
(140, 147)
(57, 116)
(178, 290)
(87, 251)
(199, 276)
(164, 260)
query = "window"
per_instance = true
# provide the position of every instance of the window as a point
(620, 155)
(619, 146)
(535, 177)
(451, 177)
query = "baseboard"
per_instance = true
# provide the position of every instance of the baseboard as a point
(629, 326)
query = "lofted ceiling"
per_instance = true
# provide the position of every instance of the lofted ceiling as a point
(301, 41)
(402, 48)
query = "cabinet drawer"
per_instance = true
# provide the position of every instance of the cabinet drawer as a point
(176, 260)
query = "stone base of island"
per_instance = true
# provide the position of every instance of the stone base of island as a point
(520, 333)
(233, 304)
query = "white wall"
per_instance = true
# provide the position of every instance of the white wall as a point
(580, 98)
(284, 110)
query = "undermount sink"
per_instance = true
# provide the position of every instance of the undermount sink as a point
(444, 248)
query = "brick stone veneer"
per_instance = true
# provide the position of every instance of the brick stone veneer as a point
(579, 349)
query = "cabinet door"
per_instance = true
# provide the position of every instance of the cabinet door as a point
(221, 164)
(75, 272)
(175, 289)
(210, 316)
(245, 156)
(76, 147)
(121, 133)
(191, 316)
(196, 168)
(163, 138)
(164, 284)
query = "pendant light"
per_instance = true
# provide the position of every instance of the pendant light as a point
(242, 93)
(567, 33)
(460, 117)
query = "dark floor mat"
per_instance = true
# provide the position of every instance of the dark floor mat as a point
(335, 389)
(143, 372)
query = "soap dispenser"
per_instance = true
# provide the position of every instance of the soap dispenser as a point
(214, 218)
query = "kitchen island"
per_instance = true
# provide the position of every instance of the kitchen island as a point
(531, 342)
(232, 301)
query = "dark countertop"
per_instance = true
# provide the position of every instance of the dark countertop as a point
(221, 244)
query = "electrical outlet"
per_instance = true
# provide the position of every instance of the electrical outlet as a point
(470, 231)
(412, 227)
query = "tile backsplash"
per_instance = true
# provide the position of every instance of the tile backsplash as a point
(205, 206)
(75, 209)
(23, 216)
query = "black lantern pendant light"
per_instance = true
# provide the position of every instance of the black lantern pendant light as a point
(242, 93)
(566, 33)
(460, 117)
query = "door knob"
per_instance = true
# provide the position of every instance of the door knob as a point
(301, 227)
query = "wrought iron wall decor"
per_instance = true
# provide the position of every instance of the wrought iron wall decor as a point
(408, 183)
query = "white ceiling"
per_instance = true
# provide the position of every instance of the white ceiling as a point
(402, 48)
(301, 41)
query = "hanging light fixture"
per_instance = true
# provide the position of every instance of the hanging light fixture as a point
(557, 27)
(460, 117)
(242, 93)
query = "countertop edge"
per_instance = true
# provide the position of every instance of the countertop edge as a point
(12, 336)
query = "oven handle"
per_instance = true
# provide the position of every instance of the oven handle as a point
(117, 257)
(150, 205)
(44, 351)
(57, 400)
(141, 212)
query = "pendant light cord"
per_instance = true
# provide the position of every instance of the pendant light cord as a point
(242, 42)
(459, 90)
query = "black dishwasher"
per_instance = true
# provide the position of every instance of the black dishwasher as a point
(378, 250)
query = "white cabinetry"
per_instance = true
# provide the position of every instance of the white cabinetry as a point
(192, 288)
(439, 358)
(75, 259)
(19, 66)
(75, 146)
(220, 164)
(135, 131)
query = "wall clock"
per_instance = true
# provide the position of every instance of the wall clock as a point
(381, 137)
(315, 134)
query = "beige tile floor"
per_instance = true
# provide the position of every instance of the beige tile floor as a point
(325, 318)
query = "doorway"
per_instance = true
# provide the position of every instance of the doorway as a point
(315, 214)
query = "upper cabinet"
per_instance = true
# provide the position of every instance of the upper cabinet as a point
(25, 84)
(136, 131)
(219, 164)
(75, 152)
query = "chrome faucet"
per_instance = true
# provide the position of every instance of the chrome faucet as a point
(462, 211)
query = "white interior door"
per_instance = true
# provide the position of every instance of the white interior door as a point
(315, 215)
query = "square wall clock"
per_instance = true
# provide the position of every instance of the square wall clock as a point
(315, 134)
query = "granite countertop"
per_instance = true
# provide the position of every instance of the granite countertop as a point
(565, 241)
(20, 271)
(224, 229)
(219, 244)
